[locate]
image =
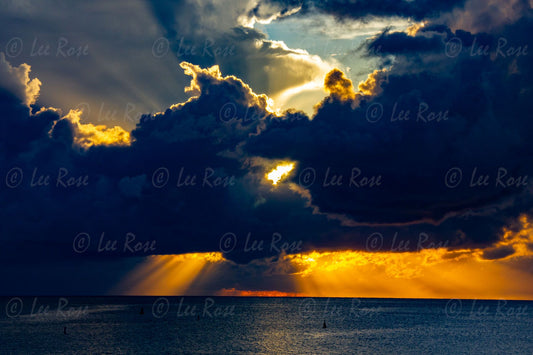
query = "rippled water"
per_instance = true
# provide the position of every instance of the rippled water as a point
(218, 325)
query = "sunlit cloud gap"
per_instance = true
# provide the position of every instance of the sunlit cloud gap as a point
(280, 172)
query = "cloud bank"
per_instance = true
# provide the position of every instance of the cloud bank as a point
(434, 142)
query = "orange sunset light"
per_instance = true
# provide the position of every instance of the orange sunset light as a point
(429, 273)
(168, 274)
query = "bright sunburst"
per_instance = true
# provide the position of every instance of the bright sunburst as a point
(281, 171)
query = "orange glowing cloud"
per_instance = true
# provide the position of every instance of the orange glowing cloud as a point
(372, 85)
(88, 135)
(497, 272)
(339, 86)
(429, 273)
(414, 28)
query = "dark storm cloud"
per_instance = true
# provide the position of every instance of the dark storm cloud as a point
(401, 42)
(442, 112)
(343, 9)
(498, 253)
(123, 194)
(481, 124)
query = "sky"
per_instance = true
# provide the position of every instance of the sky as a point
(267, 148)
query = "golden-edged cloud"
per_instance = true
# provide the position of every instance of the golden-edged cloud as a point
(17, 80)
(339, 86)
(413, 29)
(88, 135)
(372, 85)
(214, 75)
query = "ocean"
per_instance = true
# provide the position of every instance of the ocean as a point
(249, 325)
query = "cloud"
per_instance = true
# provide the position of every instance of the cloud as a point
(486, 16)
(434, 272)
(17, 81)
(341, 89)
(344, 9)
(498, 253)
(88, 135)
(266, 12)
(400, 42)
(372, 85)
(468, 114)
(219, 37)
(83, 65)
(200, 138)
(221, 110)
(432, 107)
(426, 273)
(338, 86)
(204, 78)
(132, 187)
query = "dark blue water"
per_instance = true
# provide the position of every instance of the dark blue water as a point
(219, 325)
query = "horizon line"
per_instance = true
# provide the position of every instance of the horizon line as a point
(255, 296)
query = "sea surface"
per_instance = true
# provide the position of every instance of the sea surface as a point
(249, 325)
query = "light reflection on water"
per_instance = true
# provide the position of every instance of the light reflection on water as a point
(265, 325)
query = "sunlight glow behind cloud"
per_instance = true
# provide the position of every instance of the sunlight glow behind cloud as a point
(280, 172)
(427, 273)
(168, 274)
(88, 135)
